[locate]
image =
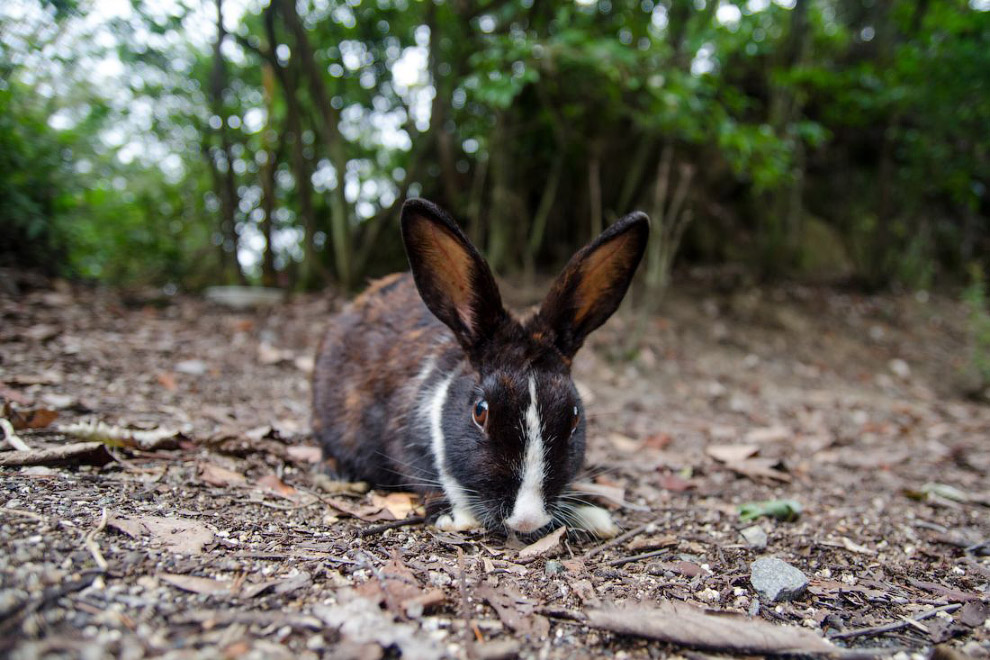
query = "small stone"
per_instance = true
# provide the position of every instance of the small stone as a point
(553, 567)
(191, 367)
(439, 579)
(776, 580)
(900, 368)
(755, 536)
(496, 650)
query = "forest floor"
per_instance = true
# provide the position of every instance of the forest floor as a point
(197, 525)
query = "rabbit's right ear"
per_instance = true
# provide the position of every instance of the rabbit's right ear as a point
(452, 278)
(593, 283)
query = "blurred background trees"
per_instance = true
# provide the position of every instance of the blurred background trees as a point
(193, 142)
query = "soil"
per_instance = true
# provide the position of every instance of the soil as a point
(201, 527)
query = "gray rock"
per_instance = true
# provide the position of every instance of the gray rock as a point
(755, 536)
(553, 567)
(776, 580)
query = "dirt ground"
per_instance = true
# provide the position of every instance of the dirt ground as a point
(198, 526)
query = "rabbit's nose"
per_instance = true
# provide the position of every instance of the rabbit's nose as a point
(525, 524)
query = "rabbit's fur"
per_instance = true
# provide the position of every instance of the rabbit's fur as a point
(403, 372)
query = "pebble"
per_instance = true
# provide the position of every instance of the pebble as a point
(553, 567)
(755, 536)
(776, 580)
(900, 368)
(191, 367)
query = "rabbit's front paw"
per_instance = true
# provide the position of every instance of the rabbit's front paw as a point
(458, 520)
(595, 520)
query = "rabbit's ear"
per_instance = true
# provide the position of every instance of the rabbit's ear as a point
(453, 279)
(594, 283)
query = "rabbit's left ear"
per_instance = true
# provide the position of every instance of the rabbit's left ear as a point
(452, 278)
(593, 283)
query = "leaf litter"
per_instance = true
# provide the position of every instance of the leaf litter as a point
(224, 537)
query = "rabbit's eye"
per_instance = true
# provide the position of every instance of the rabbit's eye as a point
(575, 420)
(481, 413)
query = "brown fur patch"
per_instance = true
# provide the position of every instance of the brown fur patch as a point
(600, 271)
(450, 263)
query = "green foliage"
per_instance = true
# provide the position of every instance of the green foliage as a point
(863, 122)
(35, 190)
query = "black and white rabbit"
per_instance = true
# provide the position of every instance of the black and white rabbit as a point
(426, 381)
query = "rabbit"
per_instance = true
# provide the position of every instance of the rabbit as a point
(425, 381)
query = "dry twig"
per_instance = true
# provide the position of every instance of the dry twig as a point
(469, 624)
(896, 625)
(631, 558)
(93, 546)
(622, 538)
(378, 529)
(15, 440)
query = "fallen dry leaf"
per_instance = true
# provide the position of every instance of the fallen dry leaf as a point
(359, 510)
(609, 495)
(730, 454)
(278, 586)
(658, 441)
(515, 610)
(400, 505)
(304, 453)
(768, 434)
(691, 627)
(675, 483)
(118, 436)
(974, 613)
(397, 587)
(38, 418)
(549, 543)
(624, 443)
(271, 482)
(760, 469)
(179, 535)
(214, 475)
(197, 585)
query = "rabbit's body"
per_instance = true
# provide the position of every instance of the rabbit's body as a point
(426, 382)
(372, 421)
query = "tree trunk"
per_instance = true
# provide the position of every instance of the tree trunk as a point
(340, 229)
(438, 118)
(312, 272)
(671, 218)
(268, 274)
(783, 226)
(631, 183)
(224, 177)
(595, 188)
(539, 225)
(499, 215)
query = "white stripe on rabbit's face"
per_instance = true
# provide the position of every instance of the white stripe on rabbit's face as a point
(530, 512)
(455, 494)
